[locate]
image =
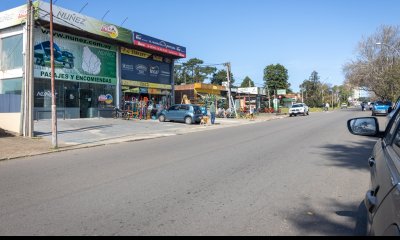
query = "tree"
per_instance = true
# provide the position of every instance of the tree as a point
(377, 67)
(193, 71)
(221, 76)
(247, 82)
(276, 77)
(311, 90)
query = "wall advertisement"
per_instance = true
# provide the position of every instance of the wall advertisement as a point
(15, 16)
(76, 59)
(145, 68)
(78, 21)
(158, 45)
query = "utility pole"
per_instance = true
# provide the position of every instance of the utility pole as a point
(31, 77)
(53, 95)
(228, 73)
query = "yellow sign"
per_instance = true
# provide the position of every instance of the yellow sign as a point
(158, 58)
(145, 84)
(135, 53)
(154, 91)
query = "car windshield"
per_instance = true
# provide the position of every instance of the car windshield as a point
(297, 106)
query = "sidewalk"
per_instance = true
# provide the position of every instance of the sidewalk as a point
(84, 133)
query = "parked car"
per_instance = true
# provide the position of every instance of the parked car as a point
(381, 108)
(382, 200)
(299, 109)
(187, 113)
(343, 106)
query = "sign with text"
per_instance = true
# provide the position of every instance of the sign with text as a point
(76, 58)
(145, 70)
(281, 92)
(158, 45)
(67, 18)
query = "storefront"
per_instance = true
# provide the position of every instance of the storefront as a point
(85, 75)
(146, 76)
(199, 93)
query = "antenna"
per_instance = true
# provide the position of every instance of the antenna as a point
(105, 15)
(83, 7)
(124, 21)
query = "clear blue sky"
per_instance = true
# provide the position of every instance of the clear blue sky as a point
(302, 35)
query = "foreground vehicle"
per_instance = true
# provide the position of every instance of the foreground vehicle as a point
(383, 199)
(299, 109)
(187, 113)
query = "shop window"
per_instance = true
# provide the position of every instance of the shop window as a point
(11, 53)
(10, 95)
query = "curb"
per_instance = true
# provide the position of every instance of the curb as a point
(140, 137)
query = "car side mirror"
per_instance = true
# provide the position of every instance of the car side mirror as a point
(368, 126)
(390, 109)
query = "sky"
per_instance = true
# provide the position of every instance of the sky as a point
(302, 35)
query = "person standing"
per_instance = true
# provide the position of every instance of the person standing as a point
(212, 113)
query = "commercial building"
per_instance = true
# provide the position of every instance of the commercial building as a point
(97, 65)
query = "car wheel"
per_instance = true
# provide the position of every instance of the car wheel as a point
(161, 118)
(188, 120)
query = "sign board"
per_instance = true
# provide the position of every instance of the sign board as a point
(281, 91)
(76, 59)
(158, 45)
(70, 19)
(249, 90)
(15, 16)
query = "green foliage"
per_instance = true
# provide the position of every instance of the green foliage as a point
(276, 77)
(247, 82)
(192, 72)
(221, 76)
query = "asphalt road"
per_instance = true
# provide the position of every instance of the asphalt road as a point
(292, 177)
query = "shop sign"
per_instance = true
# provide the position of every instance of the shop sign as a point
(70, 19)
(158, 45)
(76, 59)
(136, 53)
(144, 84)
(154, 91)
(143, 90)
(15, 16)
(250, 90)
(145, 70)
(132, 90)
(281, 92)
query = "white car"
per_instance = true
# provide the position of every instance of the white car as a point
(299, 109)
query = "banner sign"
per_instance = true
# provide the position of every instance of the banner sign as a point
(78, 21)
(15, 16)
(250, 90)
(140, 54)
(145, 70)
(145, 84)
(76, 59)
(158, 45)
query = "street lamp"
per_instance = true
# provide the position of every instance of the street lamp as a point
(389, 46)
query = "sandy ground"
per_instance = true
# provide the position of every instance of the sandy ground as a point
(14, 146)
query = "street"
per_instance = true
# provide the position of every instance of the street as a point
(301, 176)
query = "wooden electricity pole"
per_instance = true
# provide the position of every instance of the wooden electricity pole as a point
(54, 140)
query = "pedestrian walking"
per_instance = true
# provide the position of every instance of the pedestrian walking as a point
(212, 113)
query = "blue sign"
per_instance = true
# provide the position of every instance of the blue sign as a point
(145, 70)
(155, 44)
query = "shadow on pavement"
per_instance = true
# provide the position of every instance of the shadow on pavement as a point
(85, 129)
(311, 223)
(352, 156)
